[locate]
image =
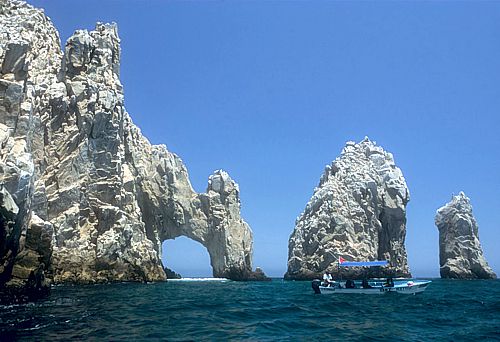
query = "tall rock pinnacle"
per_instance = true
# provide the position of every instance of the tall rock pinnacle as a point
(460, 252)
(358, 212)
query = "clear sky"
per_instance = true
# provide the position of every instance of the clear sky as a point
(271, 91)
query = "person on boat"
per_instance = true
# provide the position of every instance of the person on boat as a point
(349, 284)
(365, 285)
(327, 279)
(389, 282)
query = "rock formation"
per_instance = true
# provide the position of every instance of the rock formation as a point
(82, 191)
(460, 252)
(358, 212)
(172, 274)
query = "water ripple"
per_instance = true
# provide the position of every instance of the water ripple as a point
(277, 311)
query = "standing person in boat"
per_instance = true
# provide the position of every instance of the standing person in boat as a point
(327, 279)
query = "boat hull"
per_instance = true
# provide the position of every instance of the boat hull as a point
(413, 287)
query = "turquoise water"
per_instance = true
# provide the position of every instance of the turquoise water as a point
(449, 310)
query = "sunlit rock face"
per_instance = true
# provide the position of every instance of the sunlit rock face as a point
(358, 212)
(30, 59)
(83, 192)
(460, 252)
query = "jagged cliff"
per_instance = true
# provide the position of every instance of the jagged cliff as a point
(83, 192)
(460, 252)
(358, 212)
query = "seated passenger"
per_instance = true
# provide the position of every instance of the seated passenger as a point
(365, 285)
(389, 282)
(349, 284)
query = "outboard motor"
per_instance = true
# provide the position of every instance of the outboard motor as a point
(315, 285)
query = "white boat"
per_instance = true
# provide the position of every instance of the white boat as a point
(372, 286)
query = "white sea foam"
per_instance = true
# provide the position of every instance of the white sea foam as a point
(200, 279)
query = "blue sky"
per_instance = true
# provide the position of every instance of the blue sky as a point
(271, 91)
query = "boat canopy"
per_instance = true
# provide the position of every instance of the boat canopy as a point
(364, 263)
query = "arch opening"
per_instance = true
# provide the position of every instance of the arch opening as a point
(186, 257)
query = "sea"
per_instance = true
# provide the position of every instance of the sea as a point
(279, 310)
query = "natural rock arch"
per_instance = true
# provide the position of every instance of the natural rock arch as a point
(186, 257)
(212, 219)
(94, 196)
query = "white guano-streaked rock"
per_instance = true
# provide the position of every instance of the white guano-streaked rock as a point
(89, 187)
(460, 252)
(358, 212)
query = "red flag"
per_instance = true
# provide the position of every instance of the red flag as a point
(341, 260)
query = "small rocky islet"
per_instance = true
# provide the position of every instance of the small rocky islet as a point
(358, 212)
(86, 198)
(460, 252)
